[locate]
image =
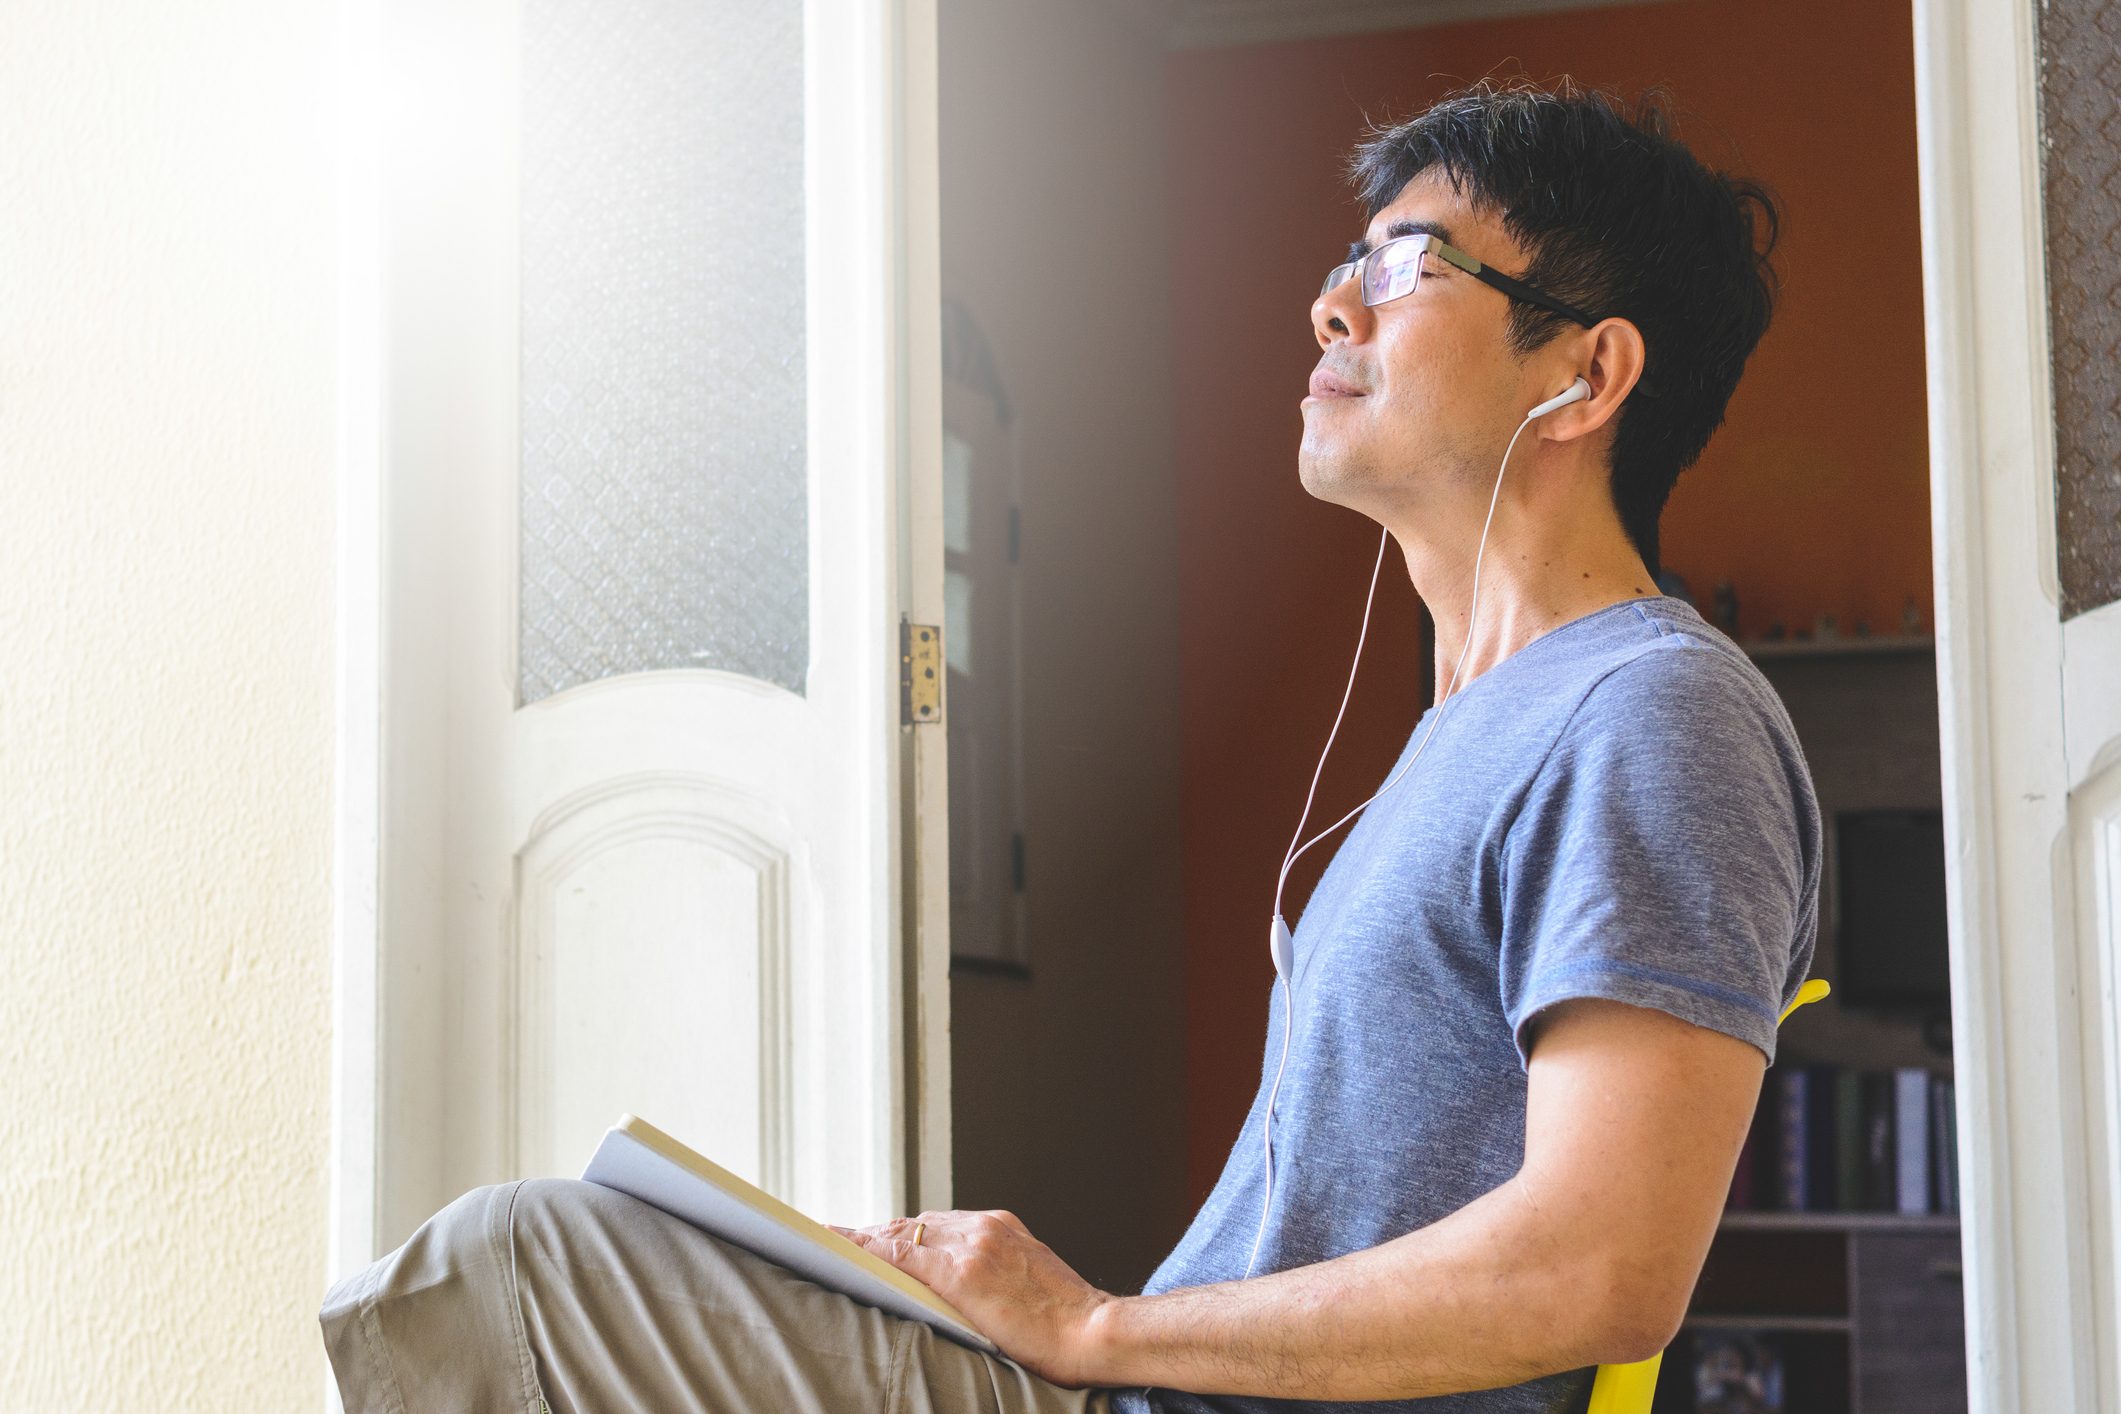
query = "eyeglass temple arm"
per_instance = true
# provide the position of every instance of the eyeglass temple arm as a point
(1516, 289)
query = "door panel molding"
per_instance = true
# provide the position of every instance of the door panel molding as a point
(2095, 840)
(645, 809)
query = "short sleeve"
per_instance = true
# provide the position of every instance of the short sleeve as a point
(1666, 852)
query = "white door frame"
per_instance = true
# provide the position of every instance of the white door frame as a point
(2031, 718)
(925, 793)
(388, 686)
(354, 1181)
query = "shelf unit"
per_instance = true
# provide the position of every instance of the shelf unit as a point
(1738, 1220)
(1841, 643)
(1867, 1308)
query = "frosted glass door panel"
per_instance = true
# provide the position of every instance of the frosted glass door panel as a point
(663, 491)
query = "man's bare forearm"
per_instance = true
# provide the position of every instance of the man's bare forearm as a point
(1495, 1294)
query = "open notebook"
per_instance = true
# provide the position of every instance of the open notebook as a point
(638, 1159)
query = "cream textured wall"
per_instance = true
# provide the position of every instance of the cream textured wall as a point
(166, 680)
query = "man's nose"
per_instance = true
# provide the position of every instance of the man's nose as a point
(1339, 313)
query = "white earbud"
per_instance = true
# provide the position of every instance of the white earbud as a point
(1578, 391)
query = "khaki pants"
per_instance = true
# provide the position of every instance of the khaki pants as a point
(595, 1301)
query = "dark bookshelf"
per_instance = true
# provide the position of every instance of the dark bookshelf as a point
(1843, 643)
(1744, 1220)
(1866, 1309)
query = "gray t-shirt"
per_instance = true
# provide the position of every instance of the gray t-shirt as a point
(1618, 809)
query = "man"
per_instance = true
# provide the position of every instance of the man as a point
(1534, 993)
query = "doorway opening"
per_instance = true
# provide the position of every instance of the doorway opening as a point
(1138, 202)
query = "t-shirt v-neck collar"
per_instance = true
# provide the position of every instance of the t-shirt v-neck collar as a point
(1532, 647)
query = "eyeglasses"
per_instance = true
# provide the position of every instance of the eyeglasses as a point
(1393, 270)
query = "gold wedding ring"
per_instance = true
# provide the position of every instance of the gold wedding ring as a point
(918, 1228)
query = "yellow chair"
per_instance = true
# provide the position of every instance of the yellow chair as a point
(1628, 1389)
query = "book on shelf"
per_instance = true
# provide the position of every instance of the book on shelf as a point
(1911, 1125)
(1849, 1172)
(1832, 1138)
(1881, 1162)
(1944, 1149)
(1807, 1139)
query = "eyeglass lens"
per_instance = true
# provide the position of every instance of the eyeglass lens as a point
(1392, 270)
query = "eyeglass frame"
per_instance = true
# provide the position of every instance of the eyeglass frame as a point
(1515, 289)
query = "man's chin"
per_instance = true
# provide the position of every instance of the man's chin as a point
(1326, 478)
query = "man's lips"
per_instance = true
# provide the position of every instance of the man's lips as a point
(1327, 385)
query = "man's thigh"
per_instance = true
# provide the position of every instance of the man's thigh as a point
(597, 1301)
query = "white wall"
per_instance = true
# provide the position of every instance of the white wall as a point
(166, 661)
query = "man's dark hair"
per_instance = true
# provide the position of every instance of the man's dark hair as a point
(1620, 220)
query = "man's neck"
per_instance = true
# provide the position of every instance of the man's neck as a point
(1531, 582)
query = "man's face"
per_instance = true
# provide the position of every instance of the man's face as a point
(1408, 394)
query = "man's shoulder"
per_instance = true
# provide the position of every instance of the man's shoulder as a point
(1679, 720)
(1665, 706)
(1672, 672)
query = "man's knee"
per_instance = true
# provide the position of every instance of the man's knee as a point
(457, 1239)
(562, 1214)
(559, 1197)
(436, 1313)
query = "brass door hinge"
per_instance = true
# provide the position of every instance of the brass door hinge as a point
(920, 673)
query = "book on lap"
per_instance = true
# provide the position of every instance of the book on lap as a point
(637, 1159)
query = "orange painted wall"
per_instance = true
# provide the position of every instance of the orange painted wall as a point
(1813, 497)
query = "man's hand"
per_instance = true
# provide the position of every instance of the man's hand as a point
(1009, 1284)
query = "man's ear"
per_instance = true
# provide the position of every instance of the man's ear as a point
(1614, 355)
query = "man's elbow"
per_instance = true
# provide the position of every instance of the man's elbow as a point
(1641, 1313)
(1635, 1334)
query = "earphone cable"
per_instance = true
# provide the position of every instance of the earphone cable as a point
(1288, 1020)
(1266, 1206)
(1443, 703)
(1383, 534)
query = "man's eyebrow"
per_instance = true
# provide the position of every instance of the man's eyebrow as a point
(1403, 228)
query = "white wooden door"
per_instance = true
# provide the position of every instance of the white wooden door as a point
(658, 466)
(2031, 717)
